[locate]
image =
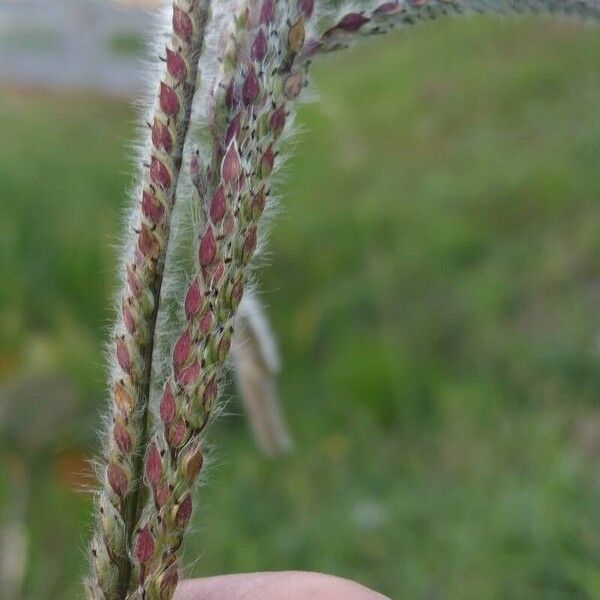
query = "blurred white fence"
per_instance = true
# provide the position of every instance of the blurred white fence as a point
(84, 44)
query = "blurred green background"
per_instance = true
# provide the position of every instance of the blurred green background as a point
(434, 282)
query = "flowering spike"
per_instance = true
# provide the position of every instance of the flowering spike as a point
(125, 438)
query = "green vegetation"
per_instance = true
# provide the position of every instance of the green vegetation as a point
(126, 44)
(433, 281)
(31, 40)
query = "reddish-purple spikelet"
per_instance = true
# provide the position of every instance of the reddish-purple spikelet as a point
(231, 167)
(117, 479)
(277, 121)
(159, 173)
(195, 163)
(251, 87)
(237, 292)
(267, 12)
(387, 9)
(123, 357)
(144, 546)
(267, 161)
(133, 280)
(161, 136)
(216, 272)
(121, 437)
(296, 35)
(167, 404)
(218, 205)
(128, 317)
(259, 46)
(206, 322)
(192, 463)
(189, 375)
(153, 210)
(161, 495)
(169, 102)
(233, 129)
(184, 512)
(181, 350)
(306, 7)
(292, 86)
(153, 464)
(312, 46)
(148, 243)
(123, 398)
(258, 203)
(249, 244)
(182, 24)
(177, 433)
(176, 65)
(351, 22)
(230, 95)
(169, 582)
(193, 299)
(224, 346)
(208, 248)
(210, 393)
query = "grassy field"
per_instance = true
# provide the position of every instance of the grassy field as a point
(434, 281)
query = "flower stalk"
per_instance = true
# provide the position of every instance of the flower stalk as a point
(351, 25)
(118, 500)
